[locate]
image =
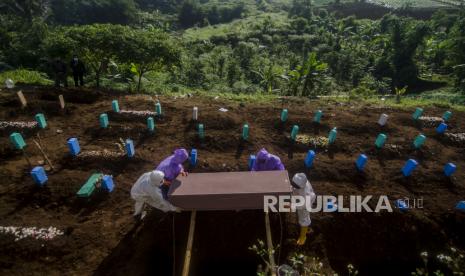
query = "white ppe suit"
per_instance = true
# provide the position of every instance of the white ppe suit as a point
(147, 191)
(306, 191)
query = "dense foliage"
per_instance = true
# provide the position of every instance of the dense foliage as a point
(285, 47)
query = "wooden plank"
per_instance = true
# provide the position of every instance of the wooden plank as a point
(88, 188)
(190, 241)
(269, 242)
(228, 190)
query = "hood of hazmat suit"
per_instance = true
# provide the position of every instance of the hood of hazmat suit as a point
(267, 162)
(172, 166)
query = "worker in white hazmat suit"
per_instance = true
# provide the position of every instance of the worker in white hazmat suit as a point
(147, 190)
(302, 187)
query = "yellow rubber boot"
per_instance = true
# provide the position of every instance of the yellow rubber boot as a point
(303, 235)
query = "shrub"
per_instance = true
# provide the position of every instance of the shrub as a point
(24, 76)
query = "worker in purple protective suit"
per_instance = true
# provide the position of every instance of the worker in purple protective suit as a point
(172, 168)
(267, 162)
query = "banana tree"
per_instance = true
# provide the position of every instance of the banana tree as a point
(293, 80)
(311, 73)
(306, 75)
(269, 77)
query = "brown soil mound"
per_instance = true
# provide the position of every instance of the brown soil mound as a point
(101, 237)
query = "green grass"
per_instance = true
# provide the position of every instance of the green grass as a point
(239, 26)
(158, 83)
(24, 76)
(443, 98)
(412, 3)
(240, 97)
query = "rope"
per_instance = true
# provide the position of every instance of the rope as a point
(280, 237)
(174, 248)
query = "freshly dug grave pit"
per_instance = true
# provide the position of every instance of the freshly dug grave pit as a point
(220, 245)
(99, 235)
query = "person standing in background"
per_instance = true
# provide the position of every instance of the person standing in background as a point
(60, 72)
(79, 70)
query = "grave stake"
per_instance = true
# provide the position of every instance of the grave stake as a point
(294, 132)
(309, 159)
(383, 119)
(332, 136)
(18, 142)
(449, 169)
(62, 102)
(73, 145)
(441, 128)
(151, 124)
(201, 132)
(361, 162)
(129, 145)
(447, 115)
(195, 113)
(103, 120)
(251, 162)
(380, 141)
(193, 159)
(284, 115)
(409, 166)
(417, 114)
(419, 141)
(22, 99)
(158, 109)
(245, 132)
(115, 106)
(41, 121)
(318, 115)
(39, 176)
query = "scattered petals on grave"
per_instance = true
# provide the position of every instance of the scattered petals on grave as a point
(21, 125)
(144, 113)
(100, 154)
(318, 142)
(31, 232)
(430, 121)
(458, 138)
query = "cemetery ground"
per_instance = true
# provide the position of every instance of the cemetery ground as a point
(99, 236)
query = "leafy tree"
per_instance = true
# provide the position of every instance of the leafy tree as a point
(148, 51)
(405, 38)
(301, 8)
(165, 6)
(455, 45)
(27, 9)
(96, 44)
(233, 72)
(190, 13)
(19, 41)
(244, 52)
(299, 24)
(93, 11)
